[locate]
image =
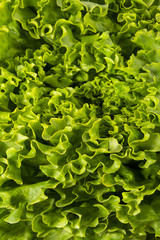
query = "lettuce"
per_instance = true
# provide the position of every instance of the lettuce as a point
(79, 119)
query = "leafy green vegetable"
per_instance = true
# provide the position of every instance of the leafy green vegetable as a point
(79, 119)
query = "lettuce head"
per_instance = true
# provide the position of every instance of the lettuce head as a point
(79, 119)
